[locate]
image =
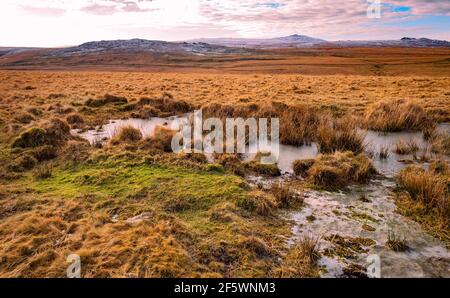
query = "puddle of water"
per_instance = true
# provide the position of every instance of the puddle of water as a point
(288, 154)
(340, 213)
(146, 126)
(443, 128)
(374, 141)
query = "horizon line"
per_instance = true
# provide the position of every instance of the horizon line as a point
(212, 38)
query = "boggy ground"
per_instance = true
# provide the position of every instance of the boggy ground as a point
(132, 208)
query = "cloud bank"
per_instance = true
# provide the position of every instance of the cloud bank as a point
(74, 21)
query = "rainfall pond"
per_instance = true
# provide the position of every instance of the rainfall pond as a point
(355, 222)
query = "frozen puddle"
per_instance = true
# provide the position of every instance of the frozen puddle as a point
(345, 215)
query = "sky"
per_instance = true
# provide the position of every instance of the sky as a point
(52, 23)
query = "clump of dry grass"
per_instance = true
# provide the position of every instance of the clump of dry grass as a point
(127, 134)
(397, 115)
(257, 246)
(75, 151)
(441, 144)
(24, 118)
(23, 163)
(231, 162)
(298, 123)
(339, 135)
(285, 197)
(258, 202)
(383, 153)
(45, 152)
(258, 168)
(301, 260)
(427, 187)
(302, 166)
(404, 148)
(75, 120)
(33, 137)
(395, 242)
(333, 171)
(439, 167)
(54, 132)
(424, 196)
(166, 104)
(162, 139)
(107, 99)
(43, 172)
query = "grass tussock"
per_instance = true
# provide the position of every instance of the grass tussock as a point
(302, 166)
(301, 260)
(257, 168)
(166, 104)
(285, 196)
(424, 196)
(54, 132)
(232, 163)
(426, 186)
(127, 134)
(395, 242)
(258, 202)
(105, 100)
(43, 172)
(384, 152)
(298, 123)
(339, 135)
(75, 120)
(397, 115)
(162, 139)
(404, 148)
(335, 171)
(441, 144)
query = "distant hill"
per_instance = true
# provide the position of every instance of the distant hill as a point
(291, 41)
(303, 41)
(225, 53)
(143, 45)
(219, 46)
(404, 42)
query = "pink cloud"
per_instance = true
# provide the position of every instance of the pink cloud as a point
(109, 7)
(43, 11)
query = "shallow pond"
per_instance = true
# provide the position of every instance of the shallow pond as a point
(375, 142)
(344, 213)
(146, 126)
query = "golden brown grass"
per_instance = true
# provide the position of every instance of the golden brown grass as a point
(80, 209)
(330, 92)
(302, 166)
(339, 135)
(425, 197)
(395, 242)
(334, 171)
(397, 115)
(301, 260)
(127, 134)
(404, 148)
(285, 196)
(427, 187)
